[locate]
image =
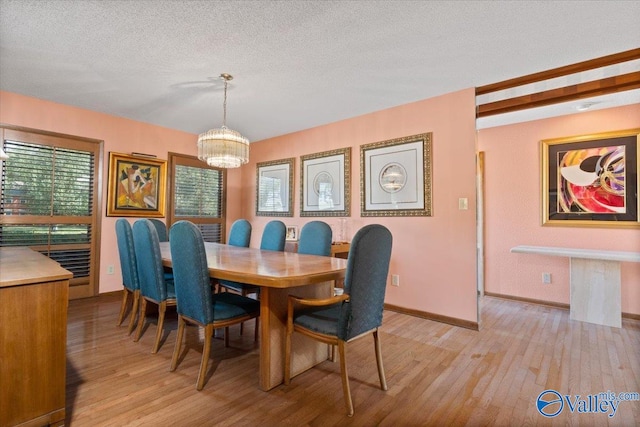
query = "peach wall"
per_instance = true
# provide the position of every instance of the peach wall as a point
(435, 257)
(513, 210)
(119, 135)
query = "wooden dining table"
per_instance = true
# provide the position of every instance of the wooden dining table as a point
(278, 274)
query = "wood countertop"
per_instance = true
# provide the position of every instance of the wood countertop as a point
(23, 266)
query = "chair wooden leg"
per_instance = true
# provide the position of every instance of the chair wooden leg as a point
(244, 294)
(206, 351)
(345, 378)
(176, 348)
(162, 308)
(226, 336)
(134, 310)
(383, 381)
(287, 356)
(141, 316)
(256, 333)
(123, 306)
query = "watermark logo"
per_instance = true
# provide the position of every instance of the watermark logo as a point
(551, 403)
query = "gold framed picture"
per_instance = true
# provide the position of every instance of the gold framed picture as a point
(325, 183)
(136, 186)
(395, 177)
(274, 188)
(591, 180)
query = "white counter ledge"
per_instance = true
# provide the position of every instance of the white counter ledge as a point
(579, 253)
(595, 281)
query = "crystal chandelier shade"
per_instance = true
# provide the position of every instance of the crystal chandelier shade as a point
(223, 147)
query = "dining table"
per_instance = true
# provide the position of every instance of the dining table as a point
(278, 274)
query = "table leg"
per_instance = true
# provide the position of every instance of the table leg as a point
(306, 352)
(595, 292)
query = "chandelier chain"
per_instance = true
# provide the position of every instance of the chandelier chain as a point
(224, 105)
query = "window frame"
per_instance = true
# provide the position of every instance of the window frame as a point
(178, 159)
(85, 286)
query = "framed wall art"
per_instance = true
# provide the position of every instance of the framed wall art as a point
(325, 183)
(395, 177)
(292, 233)
(274, 188)
(591, 180)
(136, 186)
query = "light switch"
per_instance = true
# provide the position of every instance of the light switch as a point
(463, 204)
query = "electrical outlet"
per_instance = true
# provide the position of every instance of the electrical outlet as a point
(395, 280)
(546, 278)
(110, 269)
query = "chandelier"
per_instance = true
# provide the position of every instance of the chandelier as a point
(223, 147)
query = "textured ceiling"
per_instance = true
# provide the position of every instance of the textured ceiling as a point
(297, 64)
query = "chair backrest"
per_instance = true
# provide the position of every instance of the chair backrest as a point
(365, 281)
(190, 272)
(128, 264)
(274, 236)
(315, 239)
(161, 228)
(240, 233)
(149, 260)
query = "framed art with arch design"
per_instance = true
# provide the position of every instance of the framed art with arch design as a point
(325, 183)
(395, 177)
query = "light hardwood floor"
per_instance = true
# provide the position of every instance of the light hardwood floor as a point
(437, 374)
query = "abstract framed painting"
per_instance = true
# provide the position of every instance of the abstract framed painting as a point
(325, 183)
(591, 180)
(136, 186)
(395, 177)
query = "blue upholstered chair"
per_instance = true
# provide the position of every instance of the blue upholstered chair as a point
(163, 236)
(273, 239)
(153, 286)
(340, 319)
(161, 229)
(273, 236)
(197, 304)
(240, 233)
(124, 236)
(315, 239)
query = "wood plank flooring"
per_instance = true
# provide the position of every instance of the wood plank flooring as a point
(437, 374)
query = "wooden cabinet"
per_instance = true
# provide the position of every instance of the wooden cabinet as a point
(338, 250)
(33, 337)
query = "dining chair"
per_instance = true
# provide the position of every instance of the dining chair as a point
(163, 236)
(315, 239)
(161, 228)
(240, 233)
(124, 237)
(197, 304)
(153, 285)
(340, 319)
(273, 239)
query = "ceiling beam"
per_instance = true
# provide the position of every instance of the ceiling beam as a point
(592, 64)
(600, 87)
